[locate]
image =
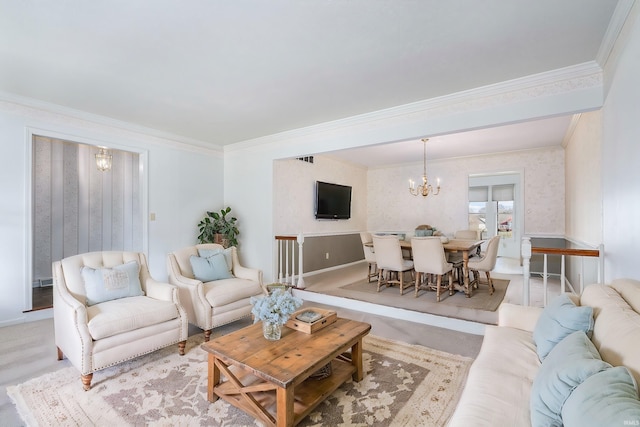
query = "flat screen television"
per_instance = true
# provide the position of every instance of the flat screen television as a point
(333, 201)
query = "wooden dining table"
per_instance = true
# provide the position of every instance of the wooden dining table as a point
(463, 246)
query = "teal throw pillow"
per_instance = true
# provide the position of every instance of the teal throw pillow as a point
(608, 398)
(210, 268)
(559, 319)
(106, 284)
(571, 362)
(205, 253)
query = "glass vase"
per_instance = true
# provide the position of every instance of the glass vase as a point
(271, 331)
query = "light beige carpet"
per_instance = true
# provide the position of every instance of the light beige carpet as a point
(404, 385)
(480, 307)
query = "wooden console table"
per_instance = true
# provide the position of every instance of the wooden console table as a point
(270, 379)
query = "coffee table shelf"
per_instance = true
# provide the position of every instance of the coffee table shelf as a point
(307, 395)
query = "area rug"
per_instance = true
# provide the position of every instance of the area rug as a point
(480, 307)
(404, 385)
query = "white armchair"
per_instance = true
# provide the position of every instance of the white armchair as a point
(107, 309)
(213, 303)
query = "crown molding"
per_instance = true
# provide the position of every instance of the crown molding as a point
(614, 29)
(162, 138)
(587, 74)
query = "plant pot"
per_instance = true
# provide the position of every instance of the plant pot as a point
(221, 240)
(271, 331)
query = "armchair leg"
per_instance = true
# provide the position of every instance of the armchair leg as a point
(181, 346)
(207, 335)
(86, 381)
(60, 354)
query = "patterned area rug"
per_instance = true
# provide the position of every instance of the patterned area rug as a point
(404, 385)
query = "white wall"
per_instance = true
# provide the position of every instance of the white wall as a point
(183, 182)
(583, 171)
(393, 208)
(621, 155)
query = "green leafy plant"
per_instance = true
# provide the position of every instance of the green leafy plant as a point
(216, 227)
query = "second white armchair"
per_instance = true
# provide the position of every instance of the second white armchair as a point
(214, 288)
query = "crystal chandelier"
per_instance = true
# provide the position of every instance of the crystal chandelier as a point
(103, 159)
(425, 189)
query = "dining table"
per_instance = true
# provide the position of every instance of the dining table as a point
(463, 246)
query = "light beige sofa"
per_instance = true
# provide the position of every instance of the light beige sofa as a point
(94, 335)
(214, 303)
(498, 390)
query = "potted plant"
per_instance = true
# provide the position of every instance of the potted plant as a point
(216, 227)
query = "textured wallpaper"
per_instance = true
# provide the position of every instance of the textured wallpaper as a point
(392, 208)
(381, 200)
(294, 195)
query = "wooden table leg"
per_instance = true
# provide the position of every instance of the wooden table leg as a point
(356, 360)
(465, 267)
(213, 378)
(284, 406)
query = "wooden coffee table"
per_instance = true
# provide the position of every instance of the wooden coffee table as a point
(270, 379)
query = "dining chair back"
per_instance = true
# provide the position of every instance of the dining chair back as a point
(369, 254)
(486, 263)
(391, 265)
(429, 259)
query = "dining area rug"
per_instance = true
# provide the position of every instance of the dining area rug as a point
(480, 307)
(403, 385)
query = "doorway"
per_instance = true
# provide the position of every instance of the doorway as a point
(78, 208)
(495, 209)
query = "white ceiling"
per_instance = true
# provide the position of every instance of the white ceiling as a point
(223, 71)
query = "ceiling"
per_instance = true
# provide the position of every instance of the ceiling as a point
(222, 72)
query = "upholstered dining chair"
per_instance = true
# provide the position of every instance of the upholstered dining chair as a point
(486, 263)
(391, 263)
(107, 309)
(429, 259)
(369, 255)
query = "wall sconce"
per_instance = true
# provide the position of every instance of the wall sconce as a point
(104, 159)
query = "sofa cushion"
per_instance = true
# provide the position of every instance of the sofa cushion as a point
(499, 381)
(616, 332)
(127, 314)
(210, 268)
(223, 292)
(559, 319)
(205, 253)
(609, 398)
(572, 361)
(106, 284)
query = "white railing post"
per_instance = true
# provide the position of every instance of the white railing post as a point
(526, 265)
(300, 240)
(280, 261)
(545, 276)
(601, 263)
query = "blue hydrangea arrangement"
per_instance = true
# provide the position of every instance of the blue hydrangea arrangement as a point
(275, 308)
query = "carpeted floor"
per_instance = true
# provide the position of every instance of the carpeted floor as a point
(481, 307)
(403, 385)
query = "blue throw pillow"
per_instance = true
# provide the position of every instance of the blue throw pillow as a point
(205, 253)
(572, 361)
(559, 319)
(210, 268)
(106, 284)
(608, 398)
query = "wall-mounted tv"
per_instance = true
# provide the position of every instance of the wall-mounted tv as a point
(333, 201)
